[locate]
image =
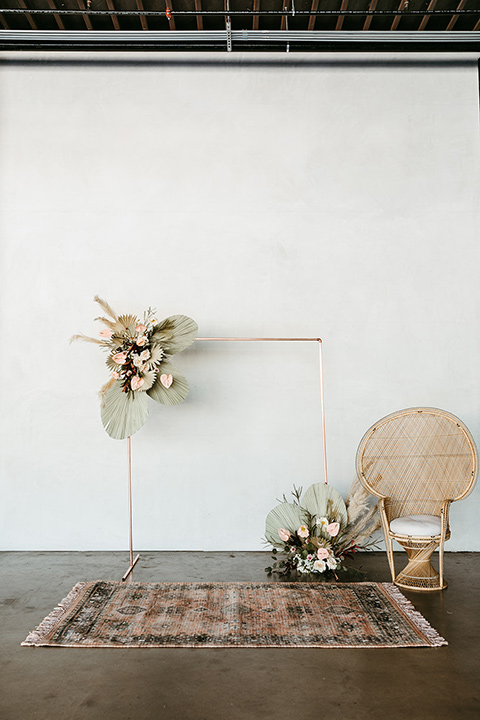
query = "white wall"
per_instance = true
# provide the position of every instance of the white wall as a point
(336, 198)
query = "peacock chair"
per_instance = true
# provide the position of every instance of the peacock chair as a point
(417, 461)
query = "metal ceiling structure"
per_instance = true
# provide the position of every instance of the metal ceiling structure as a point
(225, 25)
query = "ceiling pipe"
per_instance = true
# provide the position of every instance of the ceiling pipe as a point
(201, 37)
(238, 13)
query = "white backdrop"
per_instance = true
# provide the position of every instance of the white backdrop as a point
(335, 198)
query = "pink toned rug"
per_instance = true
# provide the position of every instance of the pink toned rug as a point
(209, 615)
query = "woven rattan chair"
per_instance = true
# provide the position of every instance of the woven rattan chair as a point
(417, 462)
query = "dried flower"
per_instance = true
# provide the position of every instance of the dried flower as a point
(120, 358)
(303, 531)
(333, 529)
(140, 328)
(136, 382)
(284, 534)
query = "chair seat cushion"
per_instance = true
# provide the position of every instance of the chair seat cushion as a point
(418, 525)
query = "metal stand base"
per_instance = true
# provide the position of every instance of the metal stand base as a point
(130, 569)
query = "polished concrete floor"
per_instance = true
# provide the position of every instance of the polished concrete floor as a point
(231, 684)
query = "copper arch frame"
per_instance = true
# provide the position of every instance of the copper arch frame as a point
(133, 561)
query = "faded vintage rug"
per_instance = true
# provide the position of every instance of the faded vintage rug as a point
(209, 615)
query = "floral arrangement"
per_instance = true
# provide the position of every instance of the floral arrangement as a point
(138, 360)
(315, 535)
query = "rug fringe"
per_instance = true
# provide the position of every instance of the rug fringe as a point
(416, 618)
(39, 635)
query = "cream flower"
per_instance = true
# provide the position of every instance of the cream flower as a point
(137, 360)
(322, 522)
(136, 382)
(319, 566)
(331, 562)
(302, 531)
(145, 355)
(115, 375)
(141, 341)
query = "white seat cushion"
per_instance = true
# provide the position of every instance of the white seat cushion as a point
(419, 525)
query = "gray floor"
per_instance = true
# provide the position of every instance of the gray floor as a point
(201, 684)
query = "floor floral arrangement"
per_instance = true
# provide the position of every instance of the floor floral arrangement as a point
(313, 535)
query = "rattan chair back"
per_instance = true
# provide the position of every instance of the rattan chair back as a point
(417, 459)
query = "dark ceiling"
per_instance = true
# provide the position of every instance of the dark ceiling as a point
(384, 24)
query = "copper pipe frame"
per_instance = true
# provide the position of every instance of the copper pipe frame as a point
(133, 561)
(289, 339)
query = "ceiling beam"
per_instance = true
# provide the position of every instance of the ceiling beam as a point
(312, 18)
(369, 18)
(426, 18)
(198, 8)
(283, 22)
(86, 18)
(115, 22)
(143, 19)
(30, 19)
(341, 18)
(454, 19)
(57, 17)
(256, 19)
(397, 18)
(171, 20)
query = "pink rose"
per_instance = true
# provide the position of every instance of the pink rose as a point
(333, 529)
(141, 341)
(284, 534)
(140, 328)
(120, 358)
(322, 553)
(136, 382)
(302, 531)
(106, 333)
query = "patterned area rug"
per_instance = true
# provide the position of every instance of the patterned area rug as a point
(275, 614)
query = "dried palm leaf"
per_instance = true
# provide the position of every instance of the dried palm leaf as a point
(175, 333)
(123, 413)
(319, 498)
(178, 390)
(287, 516)
(127, 323)
(156, 355)
(104, 389)
(149, 377)
(106, 307)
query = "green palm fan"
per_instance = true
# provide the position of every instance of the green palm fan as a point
(321, 500)
(287, 516)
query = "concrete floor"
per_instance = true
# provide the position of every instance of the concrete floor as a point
(233, 684)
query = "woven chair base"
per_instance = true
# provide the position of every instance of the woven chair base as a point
(419, 574)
